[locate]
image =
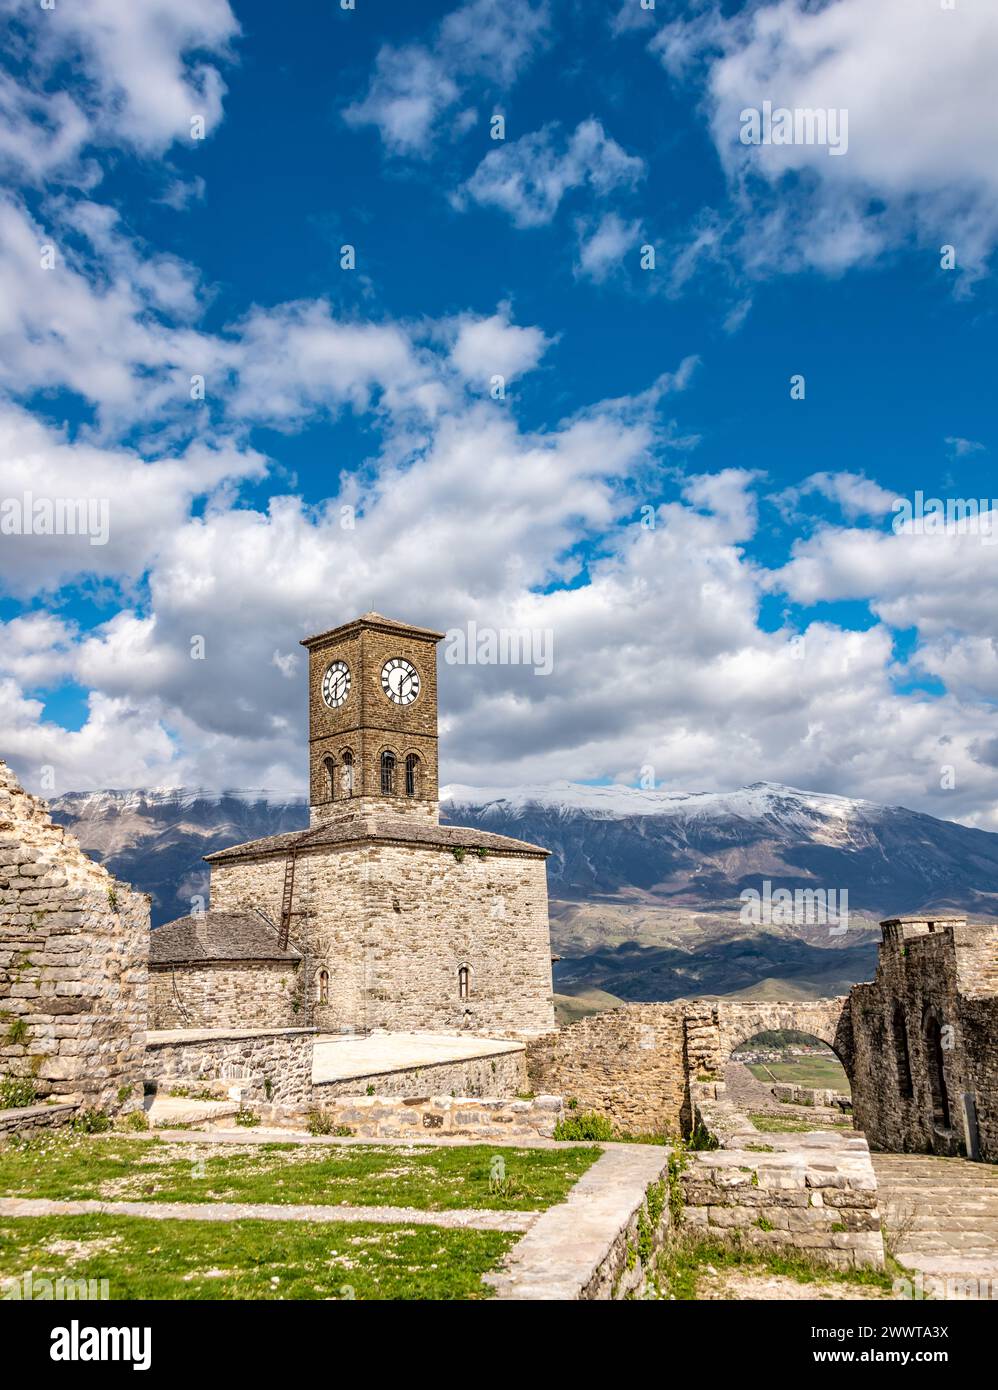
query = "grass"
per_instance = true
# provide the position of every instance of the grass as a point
(778, 1124)
(68, 1167)
(683, 1263)
(826, 1073)
(142, 1258)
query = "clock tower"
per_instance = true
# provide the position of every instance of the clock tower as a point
(372, 716)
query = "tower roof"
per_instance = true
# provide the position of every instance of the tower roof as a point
(379, 623)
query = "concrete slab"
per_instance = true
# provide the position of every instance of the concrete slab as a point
(164, 1111)
(345, 1057)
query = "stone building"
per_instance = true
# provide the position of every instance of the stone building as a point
(73, 970)
(376, 916)
(925, 1039)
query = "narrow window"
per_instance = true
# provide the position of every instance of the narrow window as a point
(937, 1074)
(463, 982)
(329, 764)
(387, 773)
(901, 1054)
(412, 775)
(322, 987)
(346, 777)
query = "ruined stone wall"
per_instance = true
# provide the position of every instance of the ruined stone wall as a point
(389, 1117)
(392, 925)
(223, 994)
(267, 1064)
(918, 985)
(635, 1063)
(74, 946)
(626, 1063)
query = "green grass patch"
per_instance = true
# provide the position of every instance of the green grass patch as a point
(143, 1258)
(69, 1167)
(779, 1124)
(683, 1262)
(827, 1073)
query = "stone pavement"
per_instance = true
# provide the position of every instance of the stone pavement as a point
(481, 1220)
(341, 1057)
(941, 1214)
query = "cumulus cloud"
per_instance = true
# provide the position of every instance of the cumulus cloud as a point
(528, 178)
(604, 244)
(915, 168)
(148, 70)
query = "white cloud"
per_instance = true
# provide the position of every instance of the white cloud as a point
(147, 69)
(528, 178)
(414, 90)
(486, 347)
(603, 245)
(916, 82)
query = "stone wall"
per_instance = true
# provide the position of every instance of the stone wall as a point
(635, 1063)
(421, 1117)
(223, 994)
(626, 1063)
(73, 963)
(27, 1118)
(934, 980)
(393, 924)
(503, 1074)
(272, 1065)
(814, 1192)
(821, 1097)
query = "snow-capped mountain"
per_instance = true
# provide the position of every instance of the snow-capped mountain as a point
(644, 884)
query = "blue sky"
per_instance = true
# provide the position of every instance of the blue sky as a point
(770, 624)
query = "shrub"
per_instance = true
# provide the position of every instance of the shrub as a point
(588, 1125)
(91, 1122)
(247, 1118)
(136, 1119)
(17, 1029)
(16, 1092)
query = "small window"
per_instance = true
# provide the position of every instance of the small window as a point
(387, 773)
(412, 775)
(322, 987)
(346, 776)
(463, 982)
(329, 765)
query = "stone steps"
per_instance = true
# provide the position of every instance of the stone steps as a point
(941, 1214)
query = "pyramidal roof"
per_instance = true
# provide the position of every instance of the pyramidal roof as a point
(378, 621)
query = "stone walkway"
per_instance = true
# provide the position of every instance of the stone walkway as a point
(567, 1248)
(941, 1214)
(481, 1220)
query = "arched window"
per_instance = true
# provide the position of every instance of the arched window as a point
(463, 982)
(329, 766)
(901, 1057)
(346, 776)
(387, 773)
(412, 775)
(322, 987)
(937, 1074)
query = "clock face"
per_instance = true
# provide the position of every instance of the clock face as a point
(400, 681)
(336, 684)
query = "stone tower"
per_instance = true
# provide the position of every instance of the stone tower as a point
(372, 713)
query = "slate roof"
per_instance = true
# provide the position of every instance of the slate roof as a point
(217, 936)
(357, 830)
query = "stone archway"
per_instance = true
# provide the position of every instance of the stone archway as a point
(715, 1028)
